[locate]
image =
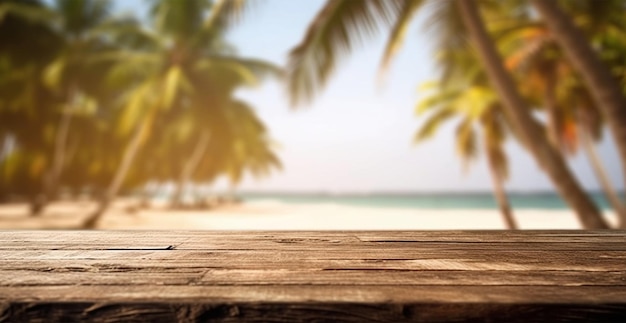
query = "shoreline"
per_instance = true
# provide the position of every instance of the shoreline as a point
(276, 215)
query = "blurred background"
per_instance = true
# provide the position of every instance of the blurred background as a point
(316, 114)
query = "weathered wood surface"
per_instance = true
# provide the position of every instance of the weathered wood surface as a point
(351, 276)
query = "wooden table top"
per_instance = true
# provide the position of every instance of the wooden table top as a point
(350, 276)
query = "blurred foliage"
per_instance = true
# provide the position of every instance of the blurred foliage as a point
(90, 101)
(543, 78)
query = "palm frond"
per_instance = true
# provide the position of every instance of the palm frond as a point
(128, 67)
(529, 47)
(225, 74)
(174, 83)
(588, 115)
(475, 101)
(135, 106)
(433, 123)
(435, 100)
(79, 16)
(338, 28)
(398, 33)
(260, 68)
(466, 143)
(226, 13)
(178, 19)
(53, 74)
(28, 12)
(128, 34)
(444, 22)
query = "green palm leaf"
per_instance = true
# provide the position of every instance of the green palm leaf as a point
(433, 123)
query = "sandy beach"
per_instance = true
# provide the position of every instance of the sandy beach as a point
(275, 215)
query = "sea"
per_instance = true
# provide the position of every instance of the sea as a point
(532, 200)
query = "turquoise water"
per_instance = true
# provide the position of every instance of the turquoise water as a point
(426, 201)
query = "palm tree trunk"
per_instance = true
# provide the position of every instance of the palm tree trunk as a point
(147, 195)
(4, 147)
(190, 167)
(51, 178)
(607, 187)
(604, 88)
(499, 193)
(554, 115)
(529, 130)
(72, 149)
(130, 151)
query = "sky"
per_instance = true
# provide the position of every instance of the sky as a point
(357, 135)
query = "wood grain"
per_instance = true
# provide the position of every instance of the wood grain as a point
(342, 276)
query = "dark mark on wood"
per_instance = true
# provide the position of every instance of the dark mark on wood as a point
(142, 248)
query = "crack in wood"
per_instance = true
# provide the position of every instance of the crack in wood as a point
(170, 247)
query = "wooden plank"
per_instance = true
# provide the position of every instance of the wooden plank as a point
(294, 276)
(575, 295)
(469, 260)
(314, 236)
(411, 277)
(202, 240)
(202, 276)
(119, 243)
(424, 264)
(83, 276)
(374, 253)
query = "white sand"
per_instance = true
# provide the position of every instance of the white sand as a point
(272, 215)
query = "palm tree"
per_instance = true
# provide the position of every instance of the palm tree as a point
(183, 63)
(534, 57)
(477, 106)
(78, 26)
(588, 136)
(20, 172)
(588, 123)
(603, 86)
(528, 128)
(92, 156)
(26, 105)
(572, 115)
(251, 149)
(241, 145)
(340, 25)
(228, 139)
(202, 116)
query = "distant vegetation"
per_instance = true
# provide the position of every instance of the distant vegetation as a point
(99, 103)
